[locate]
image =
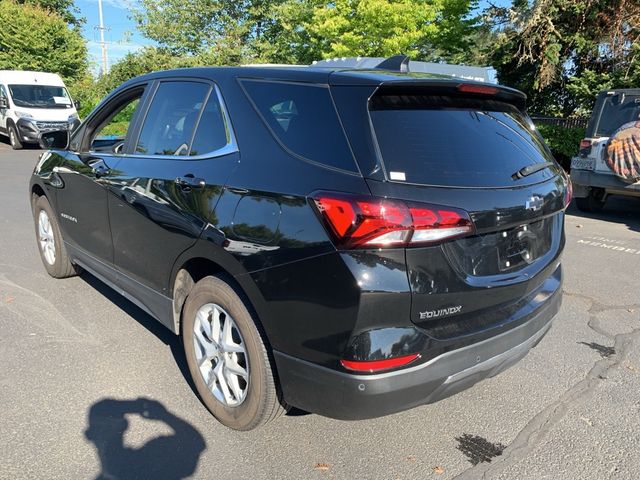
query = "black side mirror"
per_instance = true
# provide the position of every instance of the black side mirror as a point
(58, 140)
(77, 104)
(3, 103)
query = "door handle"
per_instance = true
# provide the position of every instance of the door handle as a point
(189, 181)
(99, 167)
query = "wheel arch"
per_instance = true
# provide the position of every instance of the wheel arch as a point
(195, 264)
(36, 192)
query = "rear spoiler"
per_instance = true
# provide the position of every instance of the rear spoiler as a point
(453, 87)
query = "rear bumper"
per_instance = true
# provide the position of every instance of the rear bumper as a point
(352, 397)
(583, 180)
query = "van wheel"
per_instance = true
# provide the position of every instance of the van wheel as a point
(52, 251)
(593, 202)
(228, 357)
(14, 140)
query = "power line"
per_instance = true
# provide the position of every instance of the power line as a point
(103, 44)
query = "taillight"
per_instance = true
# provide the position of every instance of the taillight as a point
(568, 193)
(360, 222)
(379, 365)
(585, 147)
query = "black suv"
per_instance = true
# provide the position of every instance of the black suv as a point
(348, 242)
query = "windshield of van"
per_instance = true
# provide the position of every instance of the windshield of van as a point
(446, 141)
(616, 111)
(40, 96)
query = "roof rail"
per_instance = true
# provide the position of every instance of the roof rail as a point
(399, 62)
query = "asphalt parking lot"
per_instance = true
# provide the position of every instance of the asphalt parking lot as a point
(92, 387)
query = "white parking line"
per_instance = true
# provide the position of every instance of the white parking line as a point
(609, 246)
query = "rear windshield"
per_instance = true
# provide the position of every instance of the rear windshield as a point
(616, 111)
(445, 141)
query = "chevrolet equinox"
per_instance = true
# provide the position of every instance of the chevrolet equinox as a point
(350, 242)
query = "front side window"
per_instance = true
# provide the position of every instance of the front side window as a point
(304, 120)
(111, 133)
(172, 118)
(40, 96)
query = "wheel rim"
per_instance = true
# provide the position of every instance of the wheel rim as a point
(220, 355)
(46, 239)
(12, 137)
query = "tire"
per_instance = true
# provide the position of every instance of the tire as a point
(14, 139)
(261, 402)
(50, 245)
(593, 202)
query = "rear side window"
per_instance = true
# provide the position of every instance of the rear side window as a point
(446, 141)
(172, 117)
(212, 132)
(304, 120)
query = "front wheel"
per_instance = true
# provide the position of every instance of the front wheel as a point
(228, 357)
(14, 139)
(52, 251)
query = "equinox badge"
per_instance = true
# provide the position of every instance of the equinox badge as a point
(442, 312)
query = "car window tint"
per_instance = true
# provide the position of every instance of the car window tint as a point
(110, 136)
(212, 132)
(171, 119)
(304, 119)
(450, 141)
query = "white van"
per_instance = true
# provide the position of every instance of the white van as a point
(32, 103)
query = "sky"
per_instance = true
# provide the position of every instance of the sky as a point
(121, 34)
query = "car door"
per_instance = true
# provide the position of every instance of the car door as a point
(94, 153)
(165, 189)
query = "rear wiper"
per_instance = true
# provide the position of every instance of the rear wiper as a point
(531, 169)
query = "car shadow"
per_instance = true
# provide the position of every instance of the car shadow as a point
(617, 209)
(147, 321)
(172, 456)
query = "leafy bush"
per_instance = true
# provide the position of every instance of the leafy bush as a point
(564, 142)
(35, 39)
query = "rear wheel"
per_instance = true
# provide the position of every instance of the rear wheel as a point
(52, 251)
(593, 202)
(228, 357)
(14, 139)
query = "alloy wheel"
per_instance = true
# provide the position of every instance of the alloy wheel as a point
(46, 238)
(221, 355)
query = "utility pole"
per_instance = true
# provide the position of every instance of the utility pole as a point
(103, 44)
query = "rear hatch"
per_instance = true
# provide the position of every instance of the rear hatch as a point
(471, 147)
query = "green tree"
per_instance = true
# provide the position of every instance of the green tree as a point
(64, 8)
(561, 52)
(223, 30)
(32, 38)
(150, 59)
(299, 31)
(429, 29)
